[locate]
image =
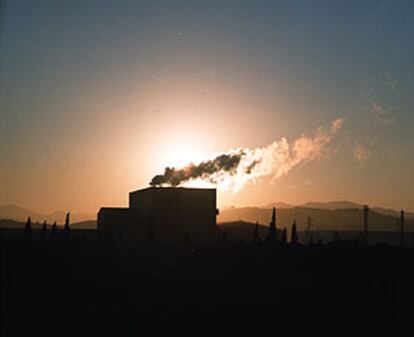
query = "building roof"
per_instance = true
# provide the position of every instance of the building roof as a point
(173, 188)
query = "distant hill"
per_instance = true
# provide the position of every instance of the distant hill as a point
(343, 204)
(340, 219)
(89, 224)
(279, 204)
(18, 213)
(243, 231)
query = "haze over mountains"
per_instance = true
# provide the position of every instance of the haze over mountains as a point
(18, 213)
(329, 205)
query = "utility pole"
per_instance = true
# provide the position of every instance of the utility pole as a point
(365, 238)
(402, 228)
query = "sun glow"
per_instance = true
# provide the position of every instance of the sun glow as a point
(180, 155)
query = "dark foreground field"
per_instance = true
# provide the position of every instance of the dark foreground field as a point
(87, 287)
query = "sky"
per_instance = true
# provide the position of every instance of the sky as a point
(97, 97)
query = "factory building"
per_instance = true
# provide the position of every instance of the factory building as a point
(115, 223)
(167, 214)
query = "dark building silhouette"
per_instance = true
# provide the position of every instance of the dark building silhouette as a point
(169, 214)
(115, 223)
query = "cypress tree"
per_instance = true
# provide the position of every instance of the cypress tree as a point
(66, 228)
(67, 221)
(53, 231)
(294, 236)
(28, 230)
(28, 226)
(44, 231)
(271, 238)
(284, 236)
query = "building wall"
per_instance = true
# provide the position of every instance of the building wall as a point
(120, 224)
(177, 214)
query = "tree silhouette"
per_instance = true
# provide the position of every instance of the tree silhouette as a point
(66, 227)
(294, 235)
(283, 239)
(28, 228)
(366, 211)
(53, 231)
(67, 221)
(271, 238)
(402, 229)
(256, 233)
(43, 233)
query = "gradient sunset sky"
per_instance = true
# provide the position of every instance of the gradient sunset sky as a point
(96, 97)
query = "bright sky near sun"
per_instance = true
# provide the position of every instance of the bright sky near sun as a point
(97, 97)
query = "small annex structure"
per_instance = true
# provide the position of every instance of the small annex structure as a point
(166, 214)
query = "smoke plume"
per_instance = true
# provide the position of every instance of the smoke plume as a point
(236, 167)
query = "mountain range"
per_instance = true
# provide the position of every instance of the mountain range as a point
(340, 215)
(343, 219)
(334, 205)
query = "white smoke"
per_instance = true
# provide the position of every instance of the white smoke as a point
(248, 165)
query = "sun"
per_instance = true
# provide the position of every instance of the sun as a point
(182, 154)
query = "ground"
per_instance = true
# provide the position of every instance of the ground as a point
(82, 286)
